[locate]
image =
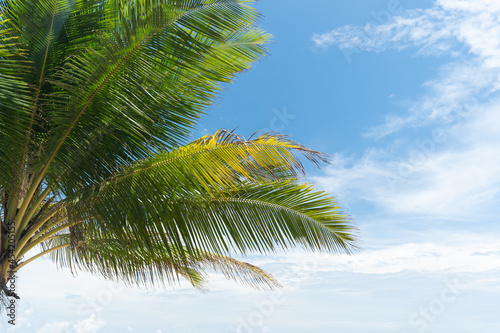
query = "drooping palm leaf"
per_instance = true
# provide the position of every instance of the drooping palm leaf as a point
(137, 265)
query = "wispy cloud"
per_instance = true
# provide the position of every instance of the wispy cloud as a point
(452, 174)
(446, 175)
(448, 27)
(430, 31)
(91, 324)
(457, 253)
(467, 31)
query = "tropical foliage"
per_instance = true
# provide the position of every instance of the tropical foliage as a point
(97, 98)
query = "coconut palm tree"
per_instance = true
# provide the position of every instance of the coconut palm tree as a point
(97, 99)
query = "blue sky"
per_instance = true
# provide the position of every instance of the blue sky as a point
(405, 96)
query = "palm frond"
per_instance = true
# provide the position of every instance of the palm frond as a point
(153, 77)
(138, 265)
(217, 162)
(14, 102)
(219, 193)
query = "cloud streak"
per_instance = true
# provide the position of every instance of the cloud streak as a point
(472, 254)
(467, 32)
(448, 27)
(445, 175)
(452, 173)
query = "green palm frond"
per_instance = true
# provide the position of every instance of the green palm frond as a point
(256, 218)
(118, 80)
(137, 265)
(167, 66)
(14, 101)
(220, 193)
(216, 162)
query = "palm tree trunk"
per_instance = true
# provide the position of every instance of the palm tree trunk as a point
(8, 279)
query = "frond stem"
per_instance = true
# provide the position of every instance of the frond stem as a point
(33, 209)
(27, 199)
(38, 256)
(22, 242)
(41, 237)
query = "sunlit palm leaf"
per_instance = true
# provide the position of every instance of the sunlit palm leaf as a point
(217, 194)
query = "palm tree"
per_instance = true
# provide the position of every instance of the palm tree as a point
(97, 98)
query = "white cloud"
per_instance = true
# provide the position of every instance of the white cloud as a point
(60, 327)
(428, 30)
(460, 88)
(446, 175)
(437, 30)
(89, 325)
(467, 30)
(442, 255)
(454, 176)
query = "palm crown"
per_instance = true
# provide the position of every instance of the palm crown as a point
(97, 99)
